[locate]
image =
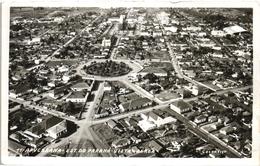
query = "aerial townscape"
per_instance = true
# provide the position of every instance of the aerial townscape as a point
(130, 82)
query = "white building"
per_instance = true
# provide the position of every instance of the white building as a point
(218, 33)
(57, 130)
(172, 29)
(106, 42)
(233, 29)
(181, 107)
(146, 125)
(151, 121)
(77, 97)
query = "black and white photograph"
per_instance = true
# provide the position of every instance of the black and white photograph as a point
(130, 82)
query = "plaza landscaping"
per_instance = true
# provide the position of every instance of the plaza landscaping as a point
(108, 68)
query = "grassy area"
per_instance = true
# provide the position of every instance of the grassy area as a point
(166, 95)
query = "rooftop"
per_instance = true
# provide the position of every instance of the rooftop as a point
(182, 105)
(234, 29)
(77, 94)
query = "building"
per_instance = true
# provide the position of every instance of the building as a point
(82, 86)
(135, 104)
(78, 97)
(200, 119)
(155, 146)
(119, 143)
(156, 119)
(181, 106)
(159, 72)
(192, 28)
(234, 30)
(217, 33)
(146, 125)
(50, 126)
(111, 123)
(227, 130)
(106, 42)
(57, 130)
(56, 93)
(163, 17)
(116, 19)
(190, 73)
(172, 29)
(107, 87)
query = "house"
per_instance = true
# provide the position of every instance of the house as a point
(135, 104)
(81, 86)
(107, 87)
(57, 130)
(200, 119)
(50, 126)
(157, 33)
(155, 146)
(135, 139)
(156, 71)
(195, 89)
(192, 28)
(119, 143)
(227, 130)
(228, 139)
(212, 119)
(99, 56)
(172, 29)
(111, 123)
(56, 93)
(181, 107)
(217, 54)
(190, 73)
(52, 83)
(106, 42)
(63, 68)
(66, 78)
(78, 97)
(156, 119)
(217, 33)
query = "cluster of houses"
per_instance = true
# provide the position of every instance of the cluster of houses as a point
(201, 114)
(150, 136)
(123, 101)
(46, 129)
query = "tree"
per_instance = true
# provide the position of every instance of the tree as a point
(151, 77)
(69, 107)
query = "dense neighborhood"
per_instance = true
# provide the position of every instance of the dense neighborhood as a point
(131, 82)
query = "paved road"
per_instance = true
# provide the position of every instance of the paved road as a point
(177, 67)
(220, 92)
(41, 109)
(164, 105)
(85, 132)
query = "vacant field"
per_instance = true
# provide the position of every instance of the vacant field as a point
(166, 95)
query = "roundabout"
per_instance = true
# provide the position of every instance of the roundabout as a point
(128, 67)
(108, 68)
